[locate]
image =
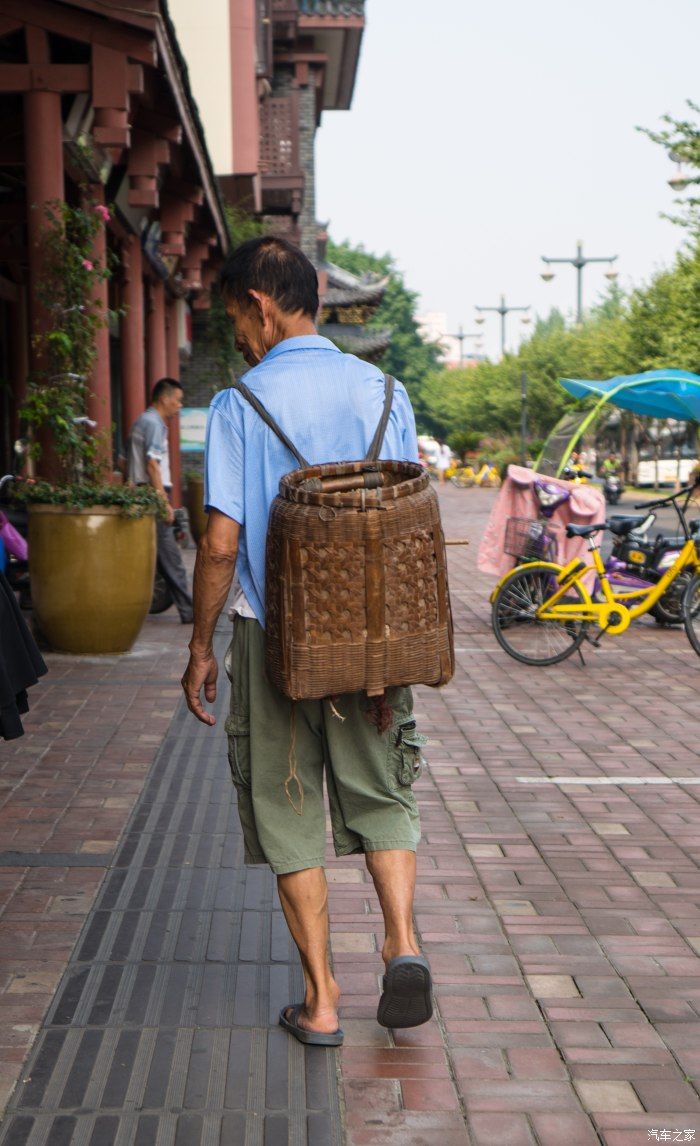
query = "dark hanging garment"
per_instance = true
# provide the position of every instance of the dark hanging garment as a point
(21, 663)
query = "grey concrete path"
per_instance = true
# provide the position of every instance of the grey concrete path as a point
(162, 1031)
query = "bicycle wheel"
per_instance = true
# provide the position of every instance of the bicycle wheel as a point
(669, 609)
(515, 623)
(690, 608)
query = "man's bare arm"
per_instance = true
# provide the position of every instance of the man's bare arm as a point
(156, 479)
(213, 574)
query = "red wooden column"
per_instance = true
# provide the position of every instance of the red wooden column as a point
(173, 371)
(133, 344)
(43, 135)
(19, 352)
(43, 131)
(100, 397)
(157, 353)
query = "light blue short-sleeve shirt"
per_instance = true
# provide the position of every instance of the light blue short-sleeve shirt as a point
(327, 403)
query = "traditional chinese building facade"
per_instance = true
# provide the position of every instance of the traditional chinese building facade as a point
(296, 60)
(264, 73)
(95, 104)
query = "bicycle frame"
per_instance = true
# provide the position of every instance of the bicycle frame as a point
(616, 611)
(612, 614)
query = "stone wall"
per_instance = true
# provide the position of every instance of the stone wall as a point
(283, 83)
(201, 378)
(307, 144)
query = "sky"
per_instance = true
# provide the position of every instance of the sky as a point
(484, 135)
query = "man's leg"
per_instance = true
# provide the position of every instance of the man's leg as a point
(304, 898)
(171, 567)
(394, 875)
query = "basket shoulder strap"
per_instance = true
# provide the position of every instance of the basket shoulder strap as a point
(378, 439)
(269, 421)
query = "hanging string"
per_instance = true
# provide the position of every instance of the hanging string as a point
(338, 715)
(292, 778)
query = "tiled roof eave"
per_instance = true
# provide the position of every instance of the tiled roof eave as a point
(361, 295)
(358, 339)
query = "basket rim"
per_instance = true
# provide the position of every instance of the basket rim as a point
(414, 479)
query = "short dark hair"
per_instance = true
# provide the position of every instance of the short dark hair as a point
(275, 267)
(164, 386)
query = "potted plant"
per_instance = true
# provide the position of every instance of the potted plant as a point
(92, 544)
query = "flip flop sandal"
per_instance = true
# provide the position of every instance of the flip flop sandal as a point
(289, 1019)
(407, 997)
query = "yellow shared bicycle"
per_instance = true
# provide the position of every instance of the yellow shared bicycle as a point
(542, 612)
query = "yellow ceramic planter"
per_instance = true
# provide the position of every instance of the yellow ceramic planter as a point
(91, 575)
(195, 507)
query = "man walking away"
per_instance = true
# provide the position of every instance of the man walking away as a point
(148, 463)
(329, 405)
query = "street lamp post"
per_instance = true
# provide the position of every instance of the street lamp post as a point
(460, 336)
(579, 261)
(503, 310)
(523, 418)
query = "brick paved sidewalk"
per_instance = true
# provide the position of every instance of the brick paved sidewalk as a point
(561, 920)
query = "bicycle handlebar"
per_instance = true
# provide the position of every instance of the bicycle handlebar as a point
(667, 500)
(576, 473)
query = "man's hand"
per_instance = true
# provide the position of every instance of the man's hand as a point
(213, 574)
(201, 672)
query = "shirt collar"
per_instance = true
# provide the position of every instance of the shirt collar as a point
(300, 342)
(158, 415)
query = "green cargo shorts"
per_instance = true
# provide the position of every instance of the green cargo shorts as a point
(369, 775)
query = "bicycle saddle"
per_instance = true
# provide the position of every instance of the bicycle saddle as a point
(621, 526)
(585, 530)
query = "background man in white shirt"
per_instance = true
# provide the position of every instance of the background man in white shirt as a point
(149, 464)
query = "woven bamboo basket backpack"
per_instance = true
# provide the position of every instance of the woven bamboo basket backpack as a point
(355, 575)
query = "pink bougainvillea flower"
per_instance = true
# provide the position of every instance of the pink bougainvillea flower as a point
(103, 212)
(88, 265)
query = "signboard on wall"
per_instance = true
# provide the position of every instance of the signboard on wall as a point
(193, 427)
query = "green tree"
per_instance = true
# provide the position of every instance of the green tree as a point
(681, 139)
(409, 357)
(486, 398)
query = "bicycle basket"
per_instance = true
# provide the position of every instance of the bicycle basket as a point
(530, 539)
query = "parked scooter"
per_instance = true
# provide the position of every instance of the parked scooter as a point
(638, 559)
(612, 488)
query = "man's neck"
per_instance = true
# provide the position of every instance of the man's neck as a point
(155, 406)
(293, 328)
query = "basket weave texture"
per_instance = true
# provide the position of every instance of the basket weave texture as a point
(356, 581)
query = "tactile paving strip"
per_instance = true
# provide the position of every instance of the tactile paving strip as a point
(163, 1029)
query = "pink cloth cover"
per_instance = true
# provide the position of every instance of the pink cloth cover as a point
(14, 542)
(517, 498)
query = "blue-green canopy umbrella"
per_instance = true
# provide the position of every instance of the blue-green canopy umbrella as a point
(655, 394)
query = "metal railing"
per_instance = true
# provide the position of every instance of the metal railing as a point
(321, 7)
(332, 7)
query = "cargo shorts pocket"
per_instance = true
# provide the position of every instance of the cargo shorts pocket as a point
(238, 733)
(405, 754)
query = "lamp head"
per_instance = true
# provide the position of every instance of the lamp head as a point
(679, 181)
